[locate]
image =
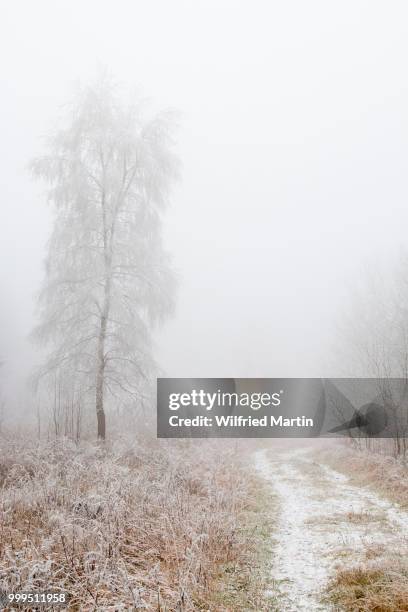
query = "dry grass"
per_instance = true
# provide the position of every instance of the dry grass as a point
(159, 526)
(353, 518)
(388, 476)
(376, 588)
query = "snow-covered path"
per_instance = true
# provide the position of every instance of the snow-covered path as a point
(323, 521)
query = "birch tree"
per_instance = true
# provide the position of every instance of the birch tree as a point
(107, 282)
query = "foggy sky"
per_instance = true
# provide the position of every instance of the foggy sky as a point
(294, 145)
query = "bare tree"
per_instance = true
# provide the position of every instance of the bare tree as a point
(107, 276)
(375, 341)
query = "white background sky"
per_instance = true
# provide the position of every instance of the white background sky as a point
(294, 144)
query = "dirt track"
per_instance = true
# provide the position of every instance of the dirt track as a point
(323, 522)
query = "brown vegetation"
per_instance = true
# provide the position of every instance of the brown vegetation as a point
(376, 588)
(155, 526)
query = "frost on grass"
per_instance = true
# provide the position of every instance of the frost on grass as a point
(141, 525)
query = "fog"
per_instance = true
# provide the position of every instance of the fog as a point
(293, 140)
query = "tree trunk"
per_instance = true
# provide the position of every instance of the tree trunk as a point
(100, 415)
(100, 379)
(100, 367)
(100, 357)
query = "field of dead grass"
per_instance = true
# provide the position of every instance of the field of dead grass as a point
(169, 525)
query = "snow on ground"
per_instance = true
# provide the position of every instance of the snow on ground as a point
(323, 521)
